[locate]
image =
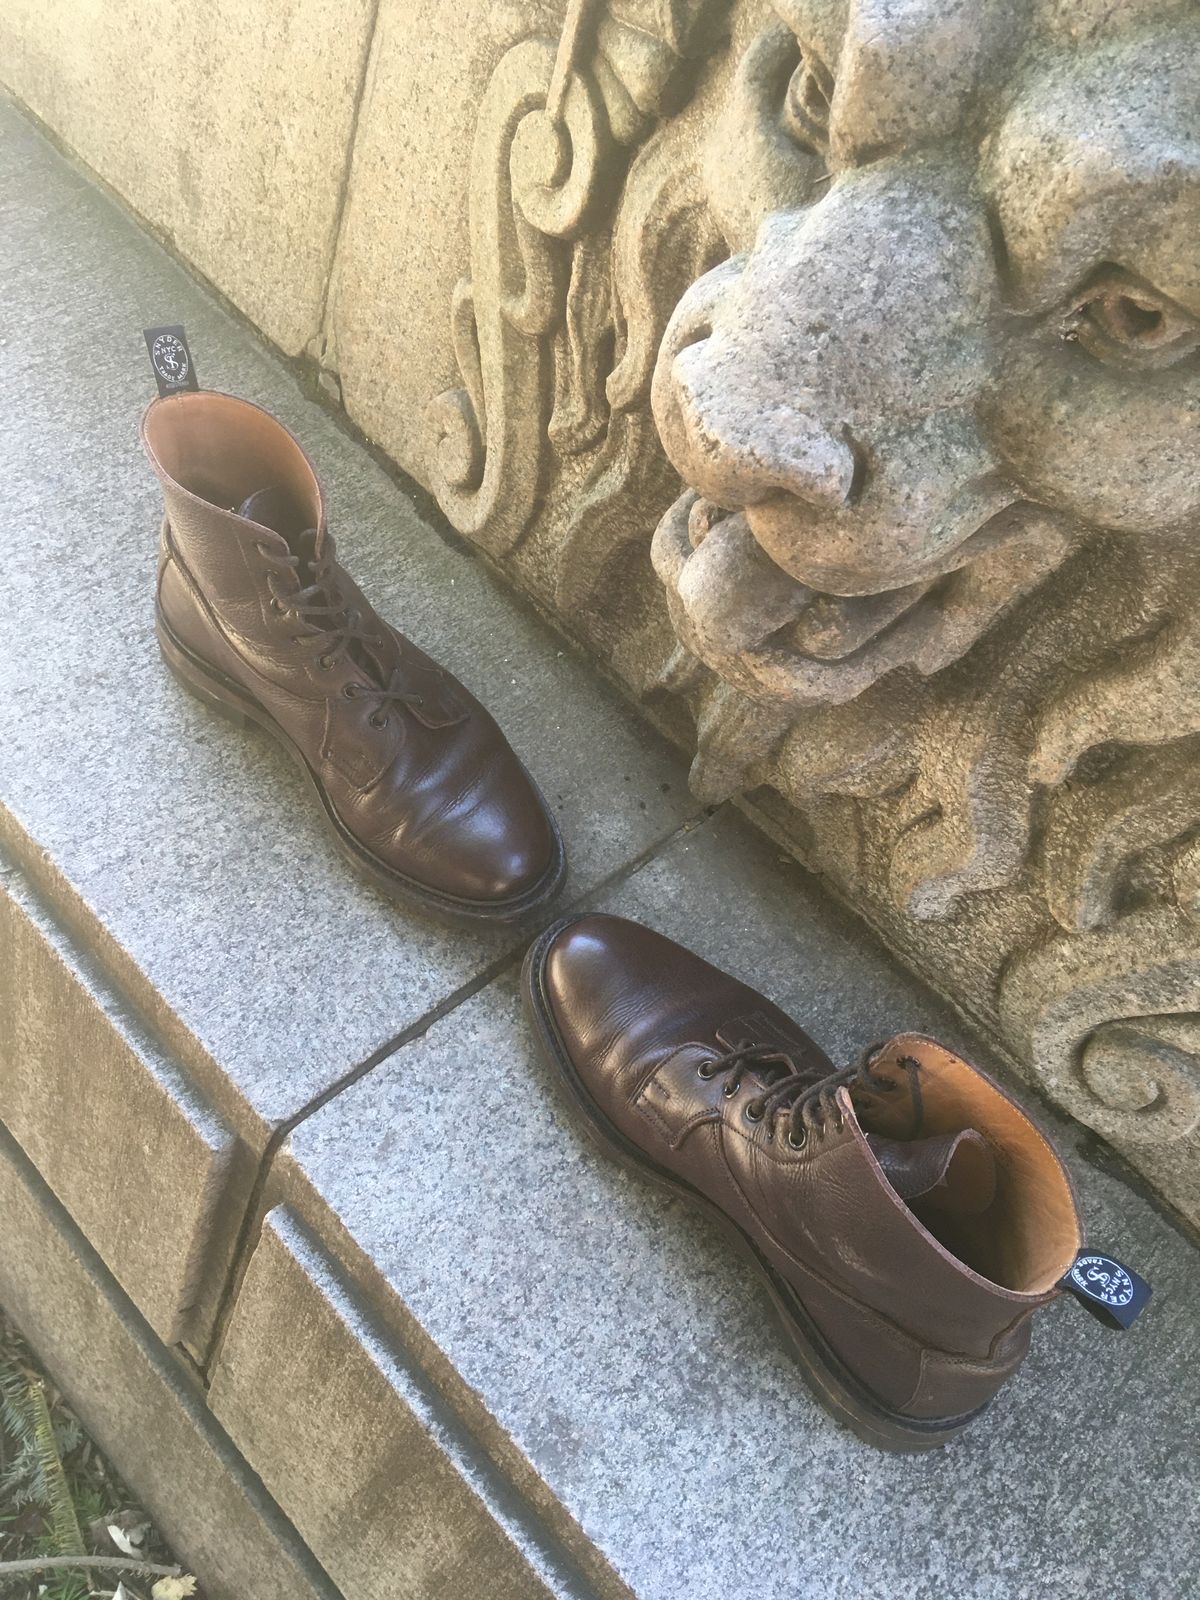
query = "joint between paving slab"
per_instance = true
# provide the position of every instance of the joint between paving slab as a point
(257, 1207)
(467, 991)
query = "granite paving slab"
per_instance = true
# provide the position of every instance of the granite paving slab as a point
(185, 855)
(620, 1365)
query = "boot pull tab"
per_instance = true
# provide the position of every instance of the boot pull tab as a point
(1114, 1294)
(170, 359)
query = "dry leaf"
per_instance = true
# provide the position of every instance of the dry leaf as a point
(173, 1589)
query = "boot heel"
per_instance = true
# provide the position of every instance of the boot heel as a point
(189, 676)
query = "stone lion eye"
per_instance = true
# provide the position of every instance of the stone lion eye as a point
(1121, 320)
(806, 103)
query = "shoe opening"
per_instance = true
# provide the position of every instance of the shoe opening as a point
(1019, 1225)
(224, 450)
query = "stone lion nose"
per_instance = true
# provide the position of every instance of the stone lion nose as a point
(740, 445)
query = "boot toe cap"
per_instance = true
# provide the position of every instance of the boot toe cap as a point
(504, 860)
(488, 855)
(616, 989)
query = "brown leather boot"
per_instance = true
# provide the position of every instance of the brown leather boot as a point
(255, 616)
(907, 1215)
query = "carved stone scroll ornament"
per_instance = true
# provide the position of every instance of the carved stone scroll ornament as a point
(662, 238)
(533, 173)
(529, 322)
(1110, 1020)
(1108, 1005)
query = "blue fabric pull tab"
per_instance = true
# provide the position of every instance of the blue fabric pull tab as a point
(1113, 1293)
(170, 359)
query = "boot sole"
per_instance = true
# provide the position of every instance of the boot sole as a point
(221, 694)
(827, 1377)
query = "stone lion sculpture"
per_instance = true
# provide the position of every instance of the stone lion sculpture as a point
(958, 340)
(912, 290)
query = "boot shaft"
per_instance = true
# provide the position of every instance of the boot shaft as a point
(959, 1275)
(211, 453)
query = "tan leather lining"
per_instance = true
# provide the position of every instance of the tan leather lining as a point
(1029, 1236)
(222, 450)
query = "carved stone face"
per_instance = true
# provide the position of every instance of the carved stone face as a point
(961, 329)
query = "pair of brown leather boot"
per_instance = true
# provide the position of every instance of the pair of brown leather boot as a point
(906, 1214)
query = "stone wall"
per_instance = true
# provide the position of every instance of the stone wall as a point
(912, 299)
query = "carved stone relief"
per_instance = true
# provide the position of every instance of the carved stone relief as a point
(911, 299)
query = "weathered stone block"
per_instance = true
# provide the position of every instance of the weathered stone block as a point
(391, 1490)
(142, 1162)
(137, 1406)
(620, 1367)
(227, 127)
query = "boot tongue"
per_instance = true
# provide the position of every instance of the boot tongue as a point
(272, 508)
(954, 1173)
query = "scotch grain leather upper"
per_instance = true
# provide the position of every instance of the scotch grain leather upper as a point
(255, 614)
(908, 1215)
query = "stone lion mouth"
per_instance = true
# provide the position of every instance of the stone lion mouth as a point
(776, 638)
(827, 627)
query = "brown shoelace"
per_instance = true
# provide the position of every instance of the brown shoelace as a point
(807, 1095)
(332, 628)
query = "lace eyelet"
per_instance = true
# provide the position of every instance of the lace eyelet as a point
(378, 720)
(350, 690)
(794, 1143)
(277, 605)
(753, 1111)
(729, 1091)
(705, 1070)
(325, 662)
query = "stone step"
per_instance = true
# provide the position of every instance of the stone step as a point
(447, 1240)
(183, 856)
(465, 1355)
